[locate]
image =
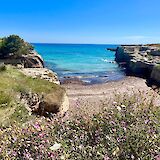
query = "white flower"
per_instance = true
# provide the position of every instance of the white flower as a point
(123, 106)
(114, 103)
(80, 146)
(108, 137)
(119, 108)
(62, 157)
(55, 147)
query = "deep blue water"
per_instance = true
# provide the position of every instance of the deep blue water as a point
(90, 63)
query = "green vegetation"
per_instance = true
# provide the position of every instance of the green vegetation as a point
(158, 66)
(127, 129)
(12, 84)
(2, 67)
(13, 45)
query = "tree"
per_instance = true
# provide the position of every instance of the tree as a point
(15, 46)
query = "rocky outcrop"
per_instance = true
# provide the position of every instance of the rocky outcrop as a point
(53, 104)
(42, 73)
(47, 104)
(139, 60)
(31, 60)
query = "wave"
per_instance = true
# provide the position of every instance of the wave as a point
(108, 61)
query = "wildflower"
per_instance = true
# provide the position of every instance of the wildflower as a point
(125, 129)
(123, 106)
(114, 103)
(80, 146)
(118, 108)
(62, 157)
(55, 147)
(132, 156)
(157, 157)
(106, 157)
(41, 135)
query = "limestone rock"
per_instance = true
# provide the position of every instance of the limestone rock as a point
(139, 60)
(42, 73)
(31, 60)
(53, 104)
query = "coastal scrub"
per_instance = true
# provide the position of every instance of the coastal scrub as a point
(127, 129)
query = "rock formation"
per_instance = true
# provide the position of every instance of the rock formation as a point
(42, 73)
(32, 65)
(140, 60)
(31, 60)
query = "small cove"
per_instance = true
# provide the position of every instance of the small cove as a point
(89, 63)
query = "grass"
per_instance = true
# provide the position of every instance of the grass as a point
(12, 83)
(158, 66)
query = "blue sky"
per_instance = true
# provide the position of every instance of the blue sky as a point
(82, 21)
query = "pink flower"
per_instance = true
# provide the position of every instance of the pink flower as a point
(157, 157)
(41, 135)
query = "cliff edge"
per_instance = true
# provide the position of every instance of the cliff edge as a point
(139, 60)
(27, 88)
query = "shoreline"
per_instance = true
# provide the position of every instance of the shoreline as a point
(81, 81)
(91, 98)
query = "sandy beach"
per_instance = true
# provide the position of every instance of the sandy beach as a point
(92, 98)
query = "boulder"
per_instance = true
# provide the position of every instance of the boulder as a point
(53, 103)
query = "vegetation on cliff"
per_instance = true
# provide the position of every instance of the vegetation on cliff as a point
(13, 45)
(12, 84)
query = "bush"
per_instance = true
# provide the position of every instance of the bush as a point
(127, 130)
(2, 67)
(14, 45)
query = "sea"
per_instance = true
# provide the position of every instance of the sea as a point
(88, 63)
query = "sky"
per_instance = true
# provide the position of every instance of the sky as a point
(82, 21)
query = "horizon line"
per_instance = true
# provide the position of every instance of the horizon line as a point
(91, 43)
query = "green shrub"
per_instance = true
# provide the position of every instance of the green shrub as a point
(13, 45)
(2, 67)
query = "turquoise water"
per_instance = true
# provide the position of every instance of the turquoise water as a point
(90, 63)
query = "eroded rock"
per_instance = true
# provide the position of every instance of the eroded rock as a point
(140, 60)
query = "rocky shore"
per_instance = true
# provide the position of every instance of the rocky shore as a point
(140, 60)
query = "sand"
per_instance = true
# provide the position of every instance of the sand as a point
(91, 98)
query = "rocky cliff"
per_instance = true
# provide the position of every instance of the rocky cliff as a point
(30, 60)
(31, 66)
(140, 60)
